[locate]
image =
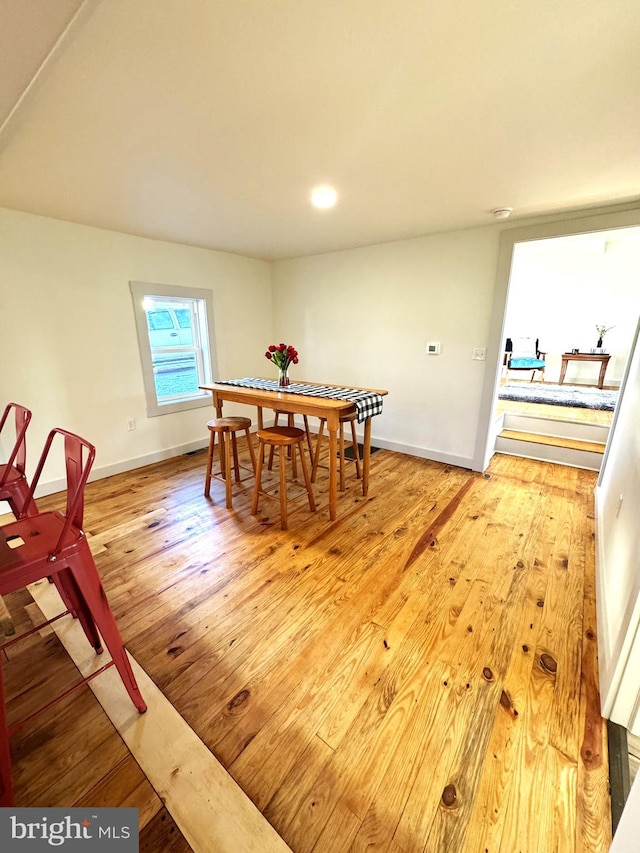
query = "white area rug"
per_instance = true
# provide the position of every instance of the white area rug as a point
(561, 395)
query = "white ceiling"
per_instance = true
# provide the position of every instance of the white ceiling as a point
(208, 122)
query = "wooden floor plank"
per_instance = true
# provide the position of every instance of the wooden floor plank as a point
(124, 784)
(162, 833)
(519, 827)
(417, 773)
(491, 664)
(499, 774)
(275, 746)
(339, 832)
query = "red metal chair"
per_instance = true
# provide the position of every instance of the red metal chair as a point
(53, 545)
(14, 487)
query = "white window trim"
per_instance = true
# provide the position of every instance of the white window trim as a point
(140, 289)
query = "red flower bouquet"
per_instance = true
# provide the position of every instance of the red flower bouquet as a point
(282, 355)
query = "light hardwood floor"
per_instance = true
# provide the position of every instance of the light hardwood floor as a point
(420, 675)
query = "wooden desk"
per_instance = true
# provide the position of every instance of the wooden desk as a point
(299, 404)
(585, 356)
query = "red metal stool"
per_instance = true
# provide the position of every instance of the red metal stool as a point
(53, 545)
(14, 487)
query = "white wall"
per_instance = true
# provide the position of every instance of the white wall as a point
(618, 554)
(68, 349)
(561, 289)
(364, 316)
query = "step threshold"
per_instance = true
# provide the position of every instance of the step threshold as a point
(553, 440)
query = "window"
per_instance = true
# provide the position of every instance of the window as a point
(175, 335)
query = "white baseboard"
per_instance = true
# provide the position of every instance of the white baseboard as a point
(409, 449)
(59, 485)
(423, 453)
(53, 486)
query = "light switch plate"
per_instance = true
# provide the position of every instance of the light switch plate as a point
(433, 348)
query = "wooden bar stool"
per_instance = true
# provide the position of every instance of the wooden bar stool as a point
(291, 423)
(226, 429)
(345, 419)
(284, 438)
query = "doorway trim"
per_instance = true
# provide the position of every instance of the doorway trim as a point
(603, 220)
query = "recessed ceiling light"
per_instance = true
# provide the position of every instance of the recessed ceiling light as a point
(502, 212)
(324, 196)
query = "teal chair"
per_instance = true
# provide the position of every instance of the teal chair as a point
(524, 354)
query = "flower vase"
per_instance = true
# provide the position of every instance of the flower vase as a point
(283, 379)
(599, 344)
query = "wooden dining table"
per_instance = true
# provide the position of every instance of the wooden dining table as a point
(300, 404)
(602, 358)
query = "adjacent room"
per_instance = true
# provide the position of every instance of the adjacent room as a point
(572, 301)
(275, 573)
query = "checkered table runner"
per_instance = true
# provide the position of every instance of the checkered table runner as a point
(367, 403)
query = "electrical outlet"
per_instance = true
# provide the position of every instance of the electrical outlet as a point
(479, 354)
(131, 424)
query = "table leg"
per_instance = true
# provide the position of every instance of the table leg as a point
(341, 456)
(563, 370)
(332, 428)
(260, 427)
(603, 368)
(217, 404)
(366, 456)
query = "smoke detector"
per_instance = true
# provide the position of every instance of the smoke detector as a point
(502, 212)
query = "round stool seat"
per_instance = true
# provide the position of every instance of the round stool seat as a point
(290, 422)
(228, 424)
(281, 435)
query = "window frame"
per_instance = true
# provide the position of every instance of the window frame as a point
(205, 353)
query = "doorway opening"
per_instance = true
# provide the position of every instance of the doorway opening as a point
(558, 284)
(576, 298)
